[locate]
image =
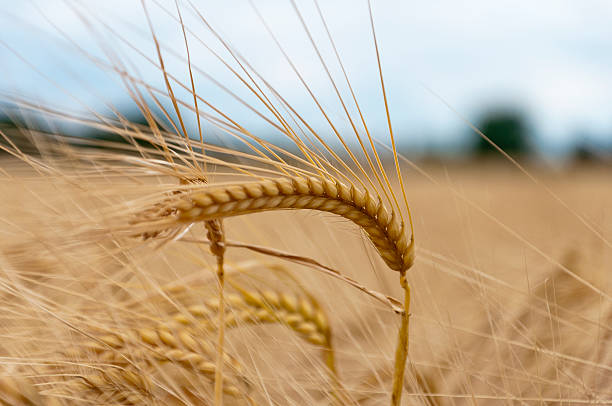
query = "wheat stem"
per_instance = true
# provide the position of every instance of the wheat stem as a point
(217, 237)
(401, 351)
(220, 351)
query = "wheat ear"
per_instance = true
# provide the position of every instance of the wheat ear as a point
(133, 387)
(175, 340)
(166, 343)
(299, 314)
(220, 201)
(120, 386)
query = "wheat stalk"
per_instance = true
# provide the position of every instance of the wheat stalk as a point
(216, 236)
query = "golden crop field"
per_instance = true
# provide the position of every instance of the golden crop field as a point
(149, 264)
(504, 300)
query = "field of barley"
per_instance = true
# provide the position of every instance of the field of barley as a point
(509, 299)
(202, 205)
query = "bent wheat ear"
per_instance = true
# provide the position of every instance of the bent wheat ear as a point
(382, 228)
(181, 330)
(183, 338)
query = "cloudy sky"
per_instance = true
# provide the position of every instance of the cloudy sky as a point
(550, 59)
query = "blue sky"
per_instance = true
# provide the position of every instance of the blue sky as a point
(551, 59)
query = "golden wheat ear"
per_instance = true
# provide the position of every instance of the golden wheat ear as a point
(160, 346)
(214, 202)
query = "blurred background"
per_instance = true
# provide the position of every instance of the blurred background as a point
(536, 77)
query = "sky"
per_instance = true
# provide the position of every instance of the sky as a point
(444, 62)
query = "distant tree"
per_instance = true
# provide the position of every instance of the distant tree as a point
(584, 153)
(508, 129)
(114, 140)
(16, 129)
(13, 136)
(591, 150)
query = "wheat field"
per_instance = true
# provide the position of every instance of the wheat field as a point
(162, 267)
